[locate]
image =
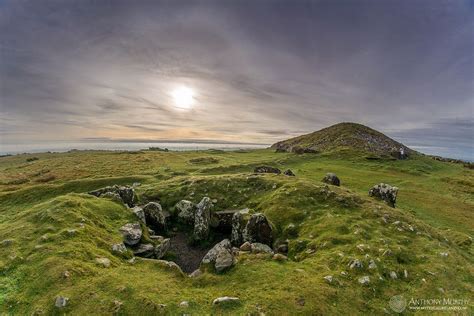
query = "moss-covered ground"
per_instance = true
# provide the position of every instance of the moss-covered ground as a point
(49, 225)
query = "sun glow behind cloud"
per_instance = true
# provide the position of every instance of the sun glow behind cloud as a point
(183, 98)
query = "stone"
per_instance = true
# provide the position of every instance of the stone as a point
(155, 217)
(261, 248)
(237, 227)
(202, 219)
(372, 265)
(139, 213)
(126, 193)
(105, 262)
(162, 248)
(282, 247)
(289, 173)
(225, 299)
(184, 304)
(364, 279)
(61, 301)
(119, 248)
(328, 278)
(6, 242)
(393, 275)
(144, 250)
(112, 196)
(246, 246)
(224, 261)
(332, 179)
(355, 264)
(266, 169)
(258, 229)
(132, 233)
(279, 257)
(195, 273)
(385, 192)
(185, 210)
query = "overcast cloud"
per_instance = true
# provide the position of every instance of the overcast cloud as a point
(262, 70)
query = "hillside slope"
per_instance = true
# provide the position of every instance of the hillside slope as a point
(344, 136)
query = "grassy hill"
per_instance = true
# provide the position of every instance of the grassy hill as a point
(52, 232)
(343, 136)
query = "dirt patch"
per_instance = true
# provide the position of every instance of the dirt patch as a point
(186, 256)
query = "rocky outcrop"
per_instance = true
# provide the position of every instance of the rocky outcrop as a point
(155, 217)
(202, 219)
(258, 229)
(132, 233)
(331, 178)
(220, 256)
(145, 251)
(185, 210)
(385, 192)
(266, 169)
(126, 193)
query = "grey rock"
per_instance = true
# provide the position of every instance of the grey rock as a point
(225, 299)
(105, 262)
(364, 279)
(328, 278)
(258, 229)
(126, 193)
(237, 227)
(114, 196)
(246, 246)
(261, 248)
(138, 211)
(266, 169)
(220, 256)
(393, 275)
(372, 265)
(61, 301)
(385, 192)
(132, 233)
(195, 273)
(162, 248)
(185, 210)
(202, 219)
(144, 250)
(279, 257)
(155, 216)
(356, 264)
(119, 248)
(184, 304)
(331, 178)
(224, 261)
(6, 242)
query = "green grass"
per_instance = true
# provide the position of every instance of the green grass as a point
(435, 198)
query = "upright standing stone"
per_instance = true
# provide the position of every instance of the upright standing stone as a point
(258, 229)
(237, 226)
(202, 218)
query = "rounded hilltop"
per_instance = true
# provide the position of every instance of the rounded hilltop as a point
(345, 136)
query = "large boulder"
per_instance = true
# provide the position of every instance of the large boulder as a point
(258, 229)
(155, 217)
(385, 192)
(331, 178)
(132, 233)
(237, 227)
(266, 169)
(202, 218)
(126, 193)
(185, 210)
(220, 256)
(138, 211)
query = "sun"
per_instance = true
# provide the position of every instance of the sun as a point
(183, 97)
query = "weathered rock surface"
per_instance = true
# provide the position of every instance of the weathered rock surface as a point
(261, 248)
(385, 192)
(138, 211)
(185, 210)
(220, 256)
(155, 217)
(202, 218)
(266, 169)
(126, 193)
(331, 178)
(246, 246)
(61, 301)
(258, 229)
(237, 228)
(144, 250)
(162, 248)
(105, 262)
(132, 233)
(225, 299)
(119, 248)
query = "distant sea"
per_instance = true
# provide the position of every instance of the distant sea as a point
(66, 146)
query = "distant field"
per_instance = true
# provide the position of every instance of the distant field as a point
(41, 199)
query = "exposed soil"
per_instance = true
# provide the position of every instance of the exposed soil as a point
(187, 257)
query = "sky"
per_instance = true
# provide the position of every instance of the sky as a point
(259, 71)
